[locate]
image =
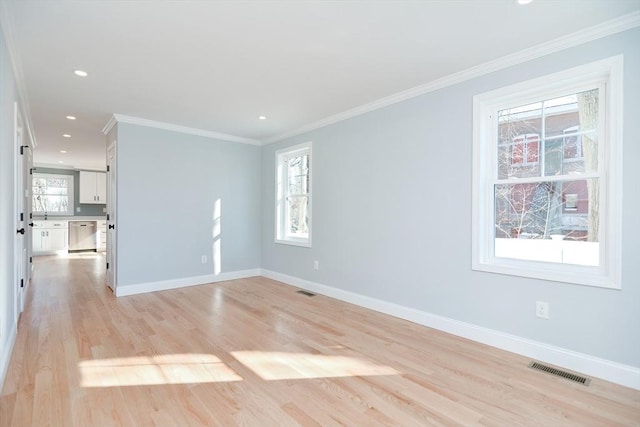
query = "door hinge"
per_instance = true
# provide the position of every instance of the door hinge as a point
(30, 215)
(107, 217)
(108, 168)
(107, 266)
(21, 216)
(22, 283)
(31, 171)
(30, 260)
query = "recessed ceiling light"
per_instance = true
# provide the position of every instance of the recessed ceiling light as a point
(262, 117)
(524, 1)
(81, 73)
(60, 161)
(66, 135)
(71, 117)
(63, 151)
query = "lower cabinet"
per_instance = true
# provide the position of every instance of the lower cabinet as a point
(49, 236)
(102, 236)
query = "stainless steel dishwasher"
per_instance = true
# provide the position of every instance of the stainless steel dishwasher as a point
(82, 236)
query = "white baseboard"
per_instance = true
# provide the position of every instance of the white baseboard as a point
(7, 350)
(618, 373)
(164, 285)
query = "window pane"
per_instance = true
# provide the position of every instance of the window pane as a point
(519, 131)
(562, 214)
(298, 174)
(298, 184)
(298, 219)
(50, 203)
(571, 124)
(520, 157)
(51, 194)
(578, 111)
(298, 165)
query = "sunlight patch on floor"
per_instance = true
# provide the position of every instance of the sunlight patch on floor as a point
(155, 370)
(270, 365)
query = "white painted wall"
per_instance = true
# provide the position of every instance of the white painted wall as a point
(392, 217)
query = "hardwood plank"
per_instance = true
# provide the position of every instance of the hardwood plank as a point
(253, 352)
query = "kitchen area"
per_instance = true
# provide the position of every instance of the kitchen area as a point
(68, 211)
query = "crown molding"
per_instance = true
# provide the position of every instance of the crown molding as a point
(6, 22)
(110, 124)
(120, 118)
(614, 26)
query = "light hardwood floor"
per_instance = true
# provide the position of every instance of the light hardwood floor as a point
(254, 352)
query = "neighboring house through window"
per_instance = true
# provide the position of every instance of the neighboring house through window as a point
(547, 177)
(293, 195)
(52, 194)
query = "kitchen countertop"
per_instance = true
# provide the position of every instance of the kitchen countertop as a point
(70, 218)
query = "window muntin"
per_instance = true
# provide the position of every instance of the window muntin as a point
(293, 199)
(552, 214)
(52, 194)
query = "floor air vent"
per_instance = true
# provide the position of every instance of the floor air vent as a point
(559, 373)
(307, 293)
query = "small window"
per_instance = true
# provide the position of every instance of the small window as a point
(52, 194)
(546, 191)
(293, 195)
(571, 202)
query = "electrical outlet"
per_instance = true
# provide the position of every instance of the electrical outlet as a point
(204, 259)
(316, 265)
(78, 209)
(542, 309)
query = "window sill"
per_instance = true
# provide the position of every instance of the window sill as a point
(304, 244)
(563, 273)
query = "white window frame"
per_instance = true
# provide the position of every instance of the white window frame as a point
(70, 191)
(608, 75)
(281, 235)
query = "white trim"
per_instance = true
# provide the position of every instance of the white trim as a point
(142, 288)
(7, 348)
(613, 26)
(110, 124)
(618, 373)
(120, 118)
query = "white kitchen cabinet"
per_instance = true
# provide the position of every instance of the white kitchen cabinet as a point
(49, 237)
(93, 187)
(102, 236)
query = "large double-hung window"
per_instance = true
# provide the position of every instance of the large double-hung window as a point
(293, 195)
(547, 158)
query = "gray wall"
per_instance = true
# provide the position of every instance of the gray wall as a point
(392, 216)
(8, 95)
(85, 209)
(168, 183)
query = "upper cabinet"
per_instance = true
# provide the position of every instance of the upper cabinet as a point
(93, 187)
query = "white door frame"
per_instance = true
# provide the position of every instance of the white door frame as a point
(112, 231)
(20, 243)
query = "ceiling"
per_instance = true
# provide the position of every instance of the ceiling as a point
(217, 65)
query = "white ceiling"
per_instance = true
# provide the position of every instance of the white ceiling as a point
(217, 65)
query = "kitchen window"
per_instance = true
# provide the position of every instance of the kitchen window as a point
(547, 174)
(52, 194)
(293, 195)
